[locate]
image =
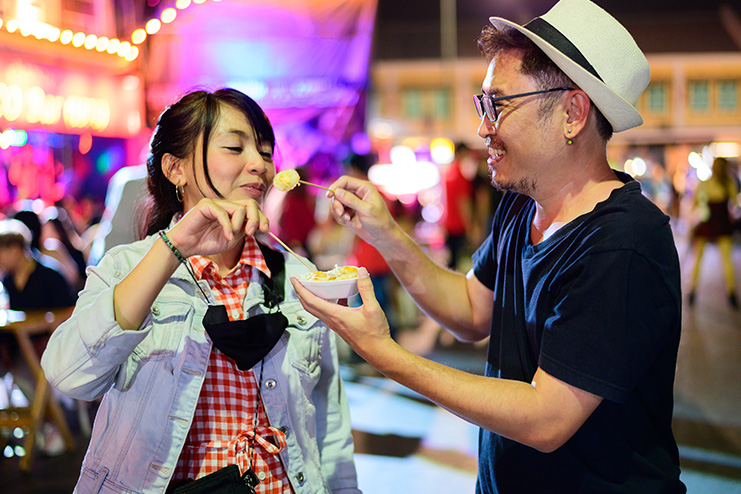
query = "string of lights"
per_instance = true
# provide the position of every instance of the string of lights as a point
(125, 49)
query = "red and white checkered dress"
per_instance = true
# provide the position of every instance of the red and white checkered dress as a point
(222, 429)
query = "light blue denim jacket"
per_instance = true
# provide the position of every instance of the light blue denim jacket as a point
(150, 381)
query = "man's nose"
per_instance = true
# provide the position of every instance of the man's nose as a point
(486, 127)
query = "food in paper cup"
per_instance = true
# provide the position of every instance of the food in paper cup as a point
(286, 180)
(337, 283)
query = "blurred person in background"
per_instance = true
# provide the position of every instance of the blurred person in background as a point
(578, 283)
(30, 284)
(364, 254)
(712, 210)
(209, 369)
(60, 240)
(457, 219)
(297, 219)
(125, 206)
(51, 256)
(486, 200)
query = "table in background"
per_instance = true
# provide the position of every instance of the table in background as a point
(24, 325)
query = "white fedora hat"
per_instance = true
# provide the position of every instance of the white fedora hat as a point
(596, 52)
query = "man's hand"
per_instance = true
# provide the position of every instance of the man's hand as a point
(364, 328)
(358, 204)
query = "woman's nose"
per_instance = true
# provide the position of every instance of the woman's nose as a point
(256, 162)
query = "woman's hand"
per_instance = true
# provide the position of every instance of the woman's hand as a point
(213, 226)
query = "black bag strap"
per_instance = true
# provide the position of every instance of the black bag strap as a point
(273, 288)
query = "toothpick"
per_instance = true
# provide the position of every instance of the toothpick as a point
(315, 185)
(292, 252)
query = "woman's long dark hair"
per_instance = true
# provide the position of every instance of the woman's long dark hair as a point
(177, 132)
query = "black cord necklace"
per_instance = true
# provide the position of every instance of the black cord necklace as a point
(249, 477)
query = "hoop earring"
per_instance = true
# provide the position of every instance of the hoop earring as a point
(179, 193)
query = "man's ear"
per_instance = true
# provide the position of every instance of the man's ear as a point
(577, 111)
(172, 168)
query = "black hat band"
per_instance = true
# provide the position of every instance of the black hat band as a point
(553, 36)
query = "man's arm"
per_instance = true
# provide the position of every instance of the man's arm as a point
(543, 414)
(457, 302)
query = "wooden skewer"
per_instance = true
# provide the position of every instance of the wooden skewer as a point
(292, 252)
(315, 185)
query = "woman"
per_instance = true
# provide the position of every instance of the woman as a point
(713, 202)
(175, 407)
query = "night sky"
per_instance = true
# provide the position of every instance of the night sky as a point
(471, 9)
(407, 29)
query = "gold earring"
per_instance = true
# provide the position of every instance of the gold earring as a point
(179, 193)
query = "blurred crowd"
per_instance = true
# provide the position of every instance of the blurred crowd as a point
(74, 233)
(44, 250)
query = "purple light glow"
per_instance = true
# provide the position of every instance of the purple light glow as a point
(306, 63)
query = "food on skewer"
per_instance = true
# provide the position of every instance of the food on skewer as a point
(289, 179)
(286, 180)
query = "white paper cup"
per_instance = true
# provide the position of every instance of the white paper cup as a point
(333, 289)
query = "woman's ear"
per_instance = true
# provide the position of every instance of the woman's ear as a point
(172, 168)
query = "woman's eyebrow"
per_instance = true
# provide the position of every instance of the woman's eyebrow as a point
(235, 132)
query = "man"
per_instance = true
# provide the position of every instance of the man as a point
(29, 283)
(457, 217)
(577, 285)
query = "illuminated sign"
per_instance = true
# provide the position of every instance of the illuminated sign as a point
(69, 100)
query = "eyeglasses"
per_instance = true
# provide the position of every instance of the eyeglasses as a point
(486, 105)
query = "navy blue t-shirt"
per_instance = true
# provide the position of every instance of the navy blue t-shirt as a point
(598, 306)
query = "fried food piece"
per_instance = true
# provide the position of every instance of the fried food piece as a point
(338, 273)
(286, 180)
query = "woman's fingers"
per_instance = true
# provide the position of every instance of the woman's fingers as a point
(255, 219)
(213, 226)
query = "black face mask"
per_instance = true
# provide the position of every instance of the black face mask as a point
(248, 341)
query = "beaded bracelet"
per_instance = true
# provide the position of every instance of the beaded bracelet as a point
(180, 257)
(171, 247)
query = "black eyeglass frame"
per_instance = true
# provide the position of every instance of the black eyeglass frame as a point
(485, 104)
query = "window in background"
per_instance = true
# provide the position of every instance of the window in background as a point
(699, 96)
(728, 96)
(411, 103)
(656, 97)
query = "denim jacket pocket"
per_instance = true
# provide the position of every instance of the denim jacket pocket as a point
(304, 339)
(169, 322)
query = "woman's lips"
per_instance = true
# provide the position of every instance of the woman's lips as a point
(254, 189)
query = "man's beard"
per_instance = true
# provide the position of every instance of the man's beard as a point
(523, 186)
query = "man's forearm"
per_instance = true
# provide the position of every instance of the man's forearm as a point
(509, 408)
(438, 292)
